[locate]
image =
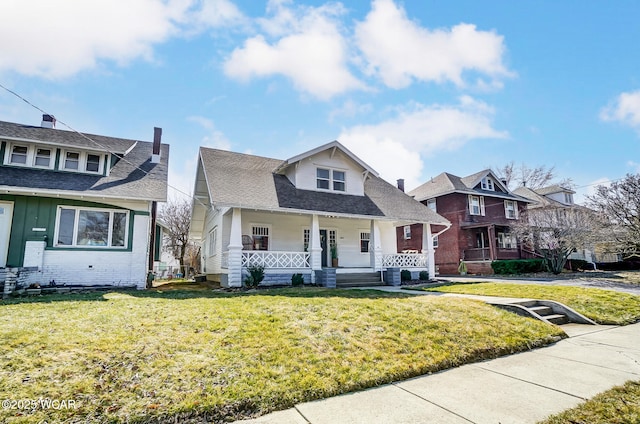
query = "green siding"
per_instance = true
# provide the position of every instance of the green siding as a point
(40, 212)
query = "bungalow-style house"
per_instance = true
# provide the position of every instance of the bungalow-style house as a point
(77, 209)
(324, 214)
(481, 210)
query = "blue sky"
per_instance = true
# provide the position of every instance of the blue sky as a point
(415, 88)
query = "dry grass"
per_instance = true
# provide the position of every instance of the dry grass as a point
(192, 355)
(620, 405)
(602, 306)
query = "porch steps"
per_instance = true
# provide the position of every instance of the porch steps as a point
(358, 279)
(545, 310)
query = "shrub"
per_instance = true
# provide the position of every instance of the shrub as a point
(580, 265)
(297, 280)
(518, 266)
(424, 276)
(405, 275)
(256, 275)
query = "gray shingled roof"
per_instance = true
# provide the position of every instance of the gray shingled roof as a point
(13, 131)
(247, 181)
(133, 177)
(553, 189)
(446, 183)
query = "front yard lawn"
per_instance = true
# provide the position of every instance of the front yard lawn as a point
(602, 306)
(620, 405)
(192, 355)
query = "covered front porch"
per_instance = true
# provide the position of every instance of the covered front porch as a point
(487, 243)
(320, 247)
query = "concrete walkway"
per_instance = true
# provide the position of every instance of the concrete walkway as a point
(521, 388)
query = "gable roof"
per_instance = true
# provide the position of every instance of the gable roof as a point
(247, 181)
(446, 183)
(329, 146)
(132, 177)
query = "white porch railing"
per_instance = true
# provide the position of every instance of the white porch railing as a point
(272, 259)
(405, 260)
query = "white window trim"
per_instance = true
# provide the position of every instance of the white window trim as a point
(269, 235)
(213, 241)
(75, 228)
(515, 209)
(31, 155)
(331, 179)
(360, 239)
(82, 161)
(431, 204)
(488, 184)
(480, 203)
(435, 242)
(407, 232)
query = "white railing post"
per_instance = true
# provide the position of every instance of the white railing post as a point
(375, 245)
(235, 250)
(314, 247)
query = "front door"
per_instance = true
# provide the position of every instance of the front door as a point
(323, 244)
(6, 214)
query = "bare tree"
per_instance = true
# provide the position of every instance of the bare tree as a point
(619, 204)
(176, 215)
(534, 178)
(555, 232)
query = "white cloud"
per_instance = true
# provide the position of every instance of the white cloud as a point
(309, 49)
(624, 109)
(214, 138)
(350, 109)
(58, 38)
(399, 50)
(394, 147)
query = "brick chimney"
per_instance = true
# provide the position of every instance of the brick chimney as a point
(157, 135)
(401, 184)
(48, 121)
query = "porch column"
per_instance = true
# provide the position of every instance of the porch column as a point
(427, 249)
(493, 249)
(235, 249)
(375, 246)
(314, 247)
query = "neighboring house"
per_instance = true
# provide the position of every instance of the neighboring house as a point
(76, 209)
(293, 216)
(165, 264)
(481, 210)
(556, 196)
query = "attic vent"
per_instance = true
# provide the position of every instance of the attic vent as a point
(48, 121)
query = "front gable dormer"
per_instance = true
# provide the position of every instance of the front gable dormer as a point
(486, 181)
(329, 168)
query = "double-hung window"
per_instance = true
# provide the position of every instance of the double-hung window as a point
(213, 241)
(82, 162)
(487, 184)
(18, 155)
(365, 238)
(476, 205)
(331, 179)
(511, 209)
(29, 155)
(88, 227)
(260, 237)
(431, 204)
(407, 232)
(43, 157)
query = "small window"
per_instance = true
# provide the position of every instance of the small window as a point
(19, 155)
(72, 160)
(213, 241)
(260, 238)
(510, 209)
(364, 242)
(338, 180)
(93, 163)
(476, 205)
(487, 184)
(435, 241)
(568, 198)
(431, 204)
(322, 178)
(306, 237)
(43, 157)
(407, 232)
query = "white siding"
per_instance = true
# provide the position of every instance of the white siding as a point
(212, 261)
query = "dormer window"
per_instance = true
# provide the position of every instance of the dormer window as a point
(82, 162)
(29, 155)
(487, 184)
(568, 198)
(330, 179)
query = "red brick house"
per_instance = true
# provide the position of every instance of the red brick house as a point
(481, 210)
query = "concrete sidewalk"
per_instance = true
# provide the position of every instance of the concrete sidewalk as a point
(521, 388)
